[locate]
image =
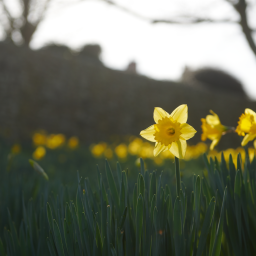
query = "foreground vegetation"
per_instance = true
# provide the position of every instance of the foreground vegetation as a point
(132, 212)
(129, 212)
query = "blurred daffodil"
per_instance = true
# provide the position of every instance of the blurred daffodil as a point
(39, 153)
(39, 138)
(73, 142)
(247, 124)
(16, 148)
(108, 153)
(212, 129)
(121, 151)
(170, 131)
(55, 140)
(98, 149)
(135, 146)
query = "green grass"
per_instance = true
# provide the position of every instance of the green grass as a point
(126, 212)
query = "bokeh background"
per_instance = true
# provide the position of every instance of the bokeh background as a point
(91, 72)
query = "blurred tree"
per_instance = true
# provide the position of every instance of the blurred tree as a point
(240, 7)
(20, 28)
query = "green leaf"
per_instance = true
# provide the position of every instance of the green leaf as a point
(238, 184)
(38, 168)
(177, 171)
(139, 224)
(112, 184)
(113, 251)
(142, 186)
(49, 216)
(135, 198)
(239, 163)
(232, 171)
(14, 233)
(2, 250)
(68, 238)
(121, 224)
(122, 194)
(197, 201)
(213, 234)
(177, 226)
(51, 246)
(153, 204)
(206, 227)
(99, 239)
(103, 210)
(218, 236)
(142, 167)
(119, 171)
(58, 240)
(152, 189)
(238, 203)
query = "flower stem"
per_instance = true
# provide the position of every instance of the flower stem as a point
(177, 172)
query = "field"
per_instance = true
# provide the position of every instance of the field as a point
(103, 199)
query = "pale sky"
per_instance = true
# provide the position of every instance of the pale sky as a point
(161, 51)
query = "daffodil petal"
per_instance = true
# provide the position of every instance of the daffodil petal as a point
(149, 133)
(250, 112)
(247, 138)
(212, 119)
(159, 114)
(187, 131)
(214, 143)
(159, 148)
(180, 114)
(178, 148)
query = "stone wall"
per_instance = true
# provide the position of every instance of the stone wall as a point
(39, 90)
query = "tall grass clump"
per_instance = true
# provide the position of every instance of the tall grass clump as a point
(151, 217)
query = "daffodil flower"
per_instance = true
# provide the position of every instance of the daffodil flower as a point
(247, 124)
(170, 131)
(212, 129)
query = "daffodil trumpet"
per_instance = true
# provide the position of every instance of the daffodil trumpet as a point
(170, 131)
(247, 126)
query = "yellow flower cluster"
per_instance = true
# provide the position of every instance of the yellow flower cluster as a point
(234, 153)
(137, 147)
(170, 134)
(171, 130)
(213, 129)
(52, 141)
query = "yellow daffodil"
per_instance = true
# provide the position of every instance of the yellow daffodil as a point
(39, 153)
(170, 131)
(212, 129)
(16, 148)
(73, 142)
(247, 124)
(121, 150)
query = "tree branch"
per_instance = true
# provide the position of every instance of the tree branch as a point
(241, 7)
(42, 15)
(122, 8)
(10, 27)
(194, 20)
(178, 21)
(8, 14)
